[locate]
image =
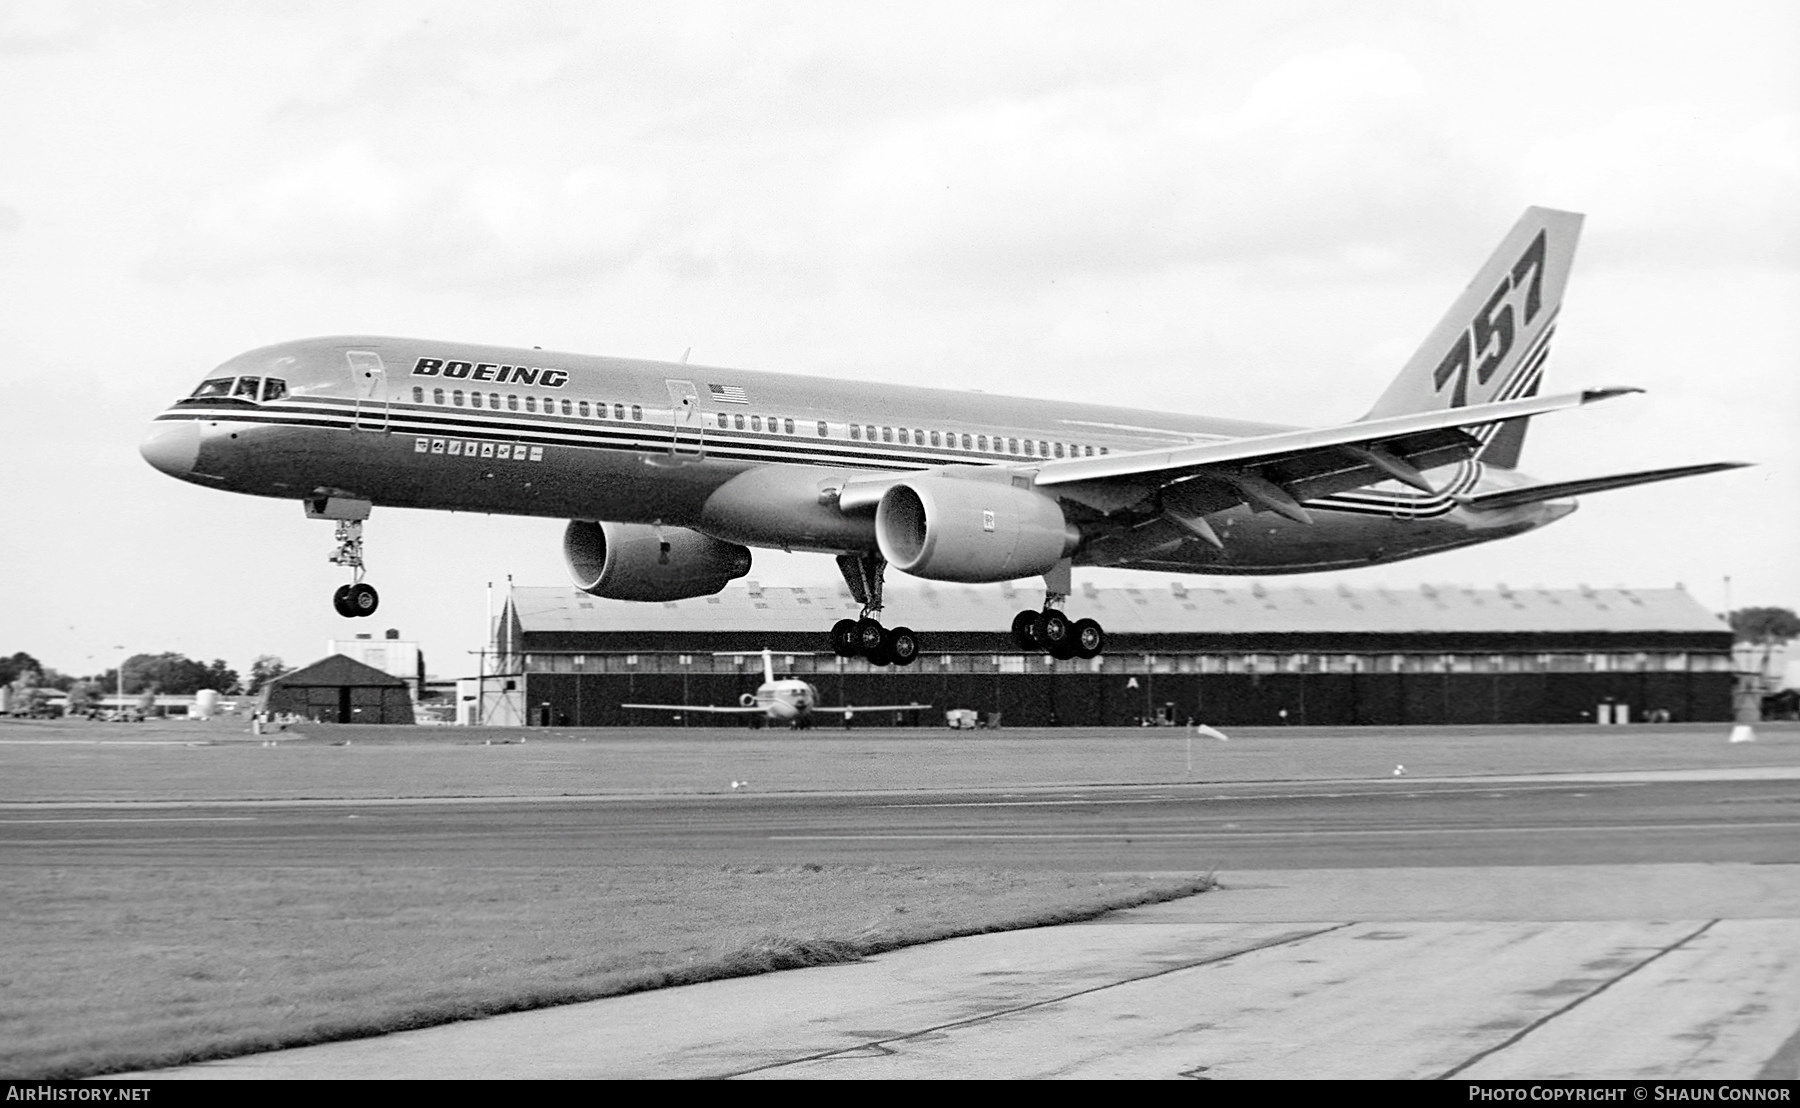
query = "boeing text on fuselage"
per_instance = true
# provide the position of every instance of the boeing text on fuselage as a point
(670, 474)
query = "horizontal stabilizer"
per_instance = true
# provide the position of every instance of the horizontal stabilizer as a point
(852, 709)
(1532, 494)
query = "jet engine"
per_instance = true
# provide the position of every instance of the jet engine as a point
(953, 529)
(631, 561)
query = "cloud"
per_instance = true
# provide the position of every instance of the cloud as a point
(351, 212)
(1145, 176)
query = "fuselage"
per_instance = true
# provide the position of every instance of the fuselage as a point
(449, 426)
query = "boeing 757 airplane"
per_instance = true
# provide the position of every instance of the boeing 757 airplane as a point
(781, 700)
(669, 472)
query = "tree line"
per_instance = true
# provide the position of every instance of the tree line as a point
(168, 673)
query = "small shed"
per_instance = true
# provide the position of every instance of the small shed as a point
(340, 690)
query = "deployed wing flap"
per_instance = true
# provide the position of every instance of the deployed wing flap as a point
(1533, 494)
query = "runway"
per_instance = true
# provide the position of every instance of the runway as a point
(1313, 825)
(1610, 925)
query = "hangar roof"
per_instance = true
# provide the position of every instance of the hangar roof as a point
(336, 669)
(1174, 608)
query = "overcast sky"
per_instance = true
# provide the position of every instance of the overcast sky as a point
(1249, 210)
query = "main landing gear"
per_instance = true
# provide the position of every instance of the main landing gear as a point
(1056, 635)
(355, 599)
(866, 637)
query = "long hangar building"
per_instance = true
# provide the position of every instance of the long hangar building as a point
(1244, 656)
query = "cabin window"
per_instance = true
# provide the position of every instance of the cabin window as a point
(902, 436)
(1028, 446)
(512, 401)
(756, 423)
(1059, 450)
(856, 432)
(1087, 451)
(739, 421)
(981, 443)
(582, 409)
(787, 426)
(936, 439)
(637, 412)
(567, 408)
(968, 443)
(869, 430)
(1105, 450)
(918, 436)
(493, 400)
(531, 404)
(456, 398)
(1012, 446)
(823, 430)
(437, 396)
(418, 395)
(887, 434)
(1043, 449)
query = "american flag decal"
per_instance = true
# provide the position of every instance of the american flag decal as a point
(728, 394)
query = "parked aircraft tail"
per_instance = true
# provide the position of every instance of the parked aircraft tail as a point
(1491, 345)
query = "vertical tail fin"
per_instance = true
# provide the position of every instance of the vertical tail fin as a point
(768, 666)
(1492, 343)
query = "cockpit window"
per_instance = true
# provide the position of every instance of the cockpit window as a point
(218, 386)
(248, 387)
(274, 388)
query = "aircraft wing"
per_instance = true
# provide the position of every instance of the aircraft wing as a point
(841, 710)
(735, 710)
(1532, 494)
(1277, 471)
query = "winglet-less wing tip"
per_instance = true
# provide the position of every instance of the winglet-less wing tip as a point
(1588, 396)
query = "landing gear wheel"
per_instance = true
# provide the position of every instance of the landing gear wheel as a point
(1053, 632)
(902, 645)
(880, 656)
(1024, 630)
(1090, 638)
(340, 600)
(362, 600)
(869, 637)
(846, 639)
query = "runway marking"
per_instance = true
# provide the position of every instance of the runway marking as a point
(137, 819)
(1343, 833)
(1373, 791)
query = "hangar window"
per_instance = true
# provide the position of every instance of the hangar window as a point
(274, 388)
(637, 412)
(823, 430)
(418, 395)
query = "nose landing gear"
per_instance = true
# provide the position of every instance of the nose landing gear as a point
(357, 598)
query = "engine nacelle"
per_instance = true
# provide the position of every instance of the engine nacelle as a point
(951, 529)
(632, 561)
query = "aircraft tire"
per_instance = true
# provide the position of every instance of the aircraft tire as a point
(1024, 630)
(846, 639)
(340, 600)
(869, 636)
(902, 645)
(1052, 631)
(1090, 638)
(363, 600)
(880, 656)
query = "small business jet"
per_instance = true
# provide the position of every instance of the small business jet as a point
(782, 700)
(670, 472)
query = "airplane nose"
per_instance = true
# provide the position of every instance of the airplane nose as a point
(172, 446)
